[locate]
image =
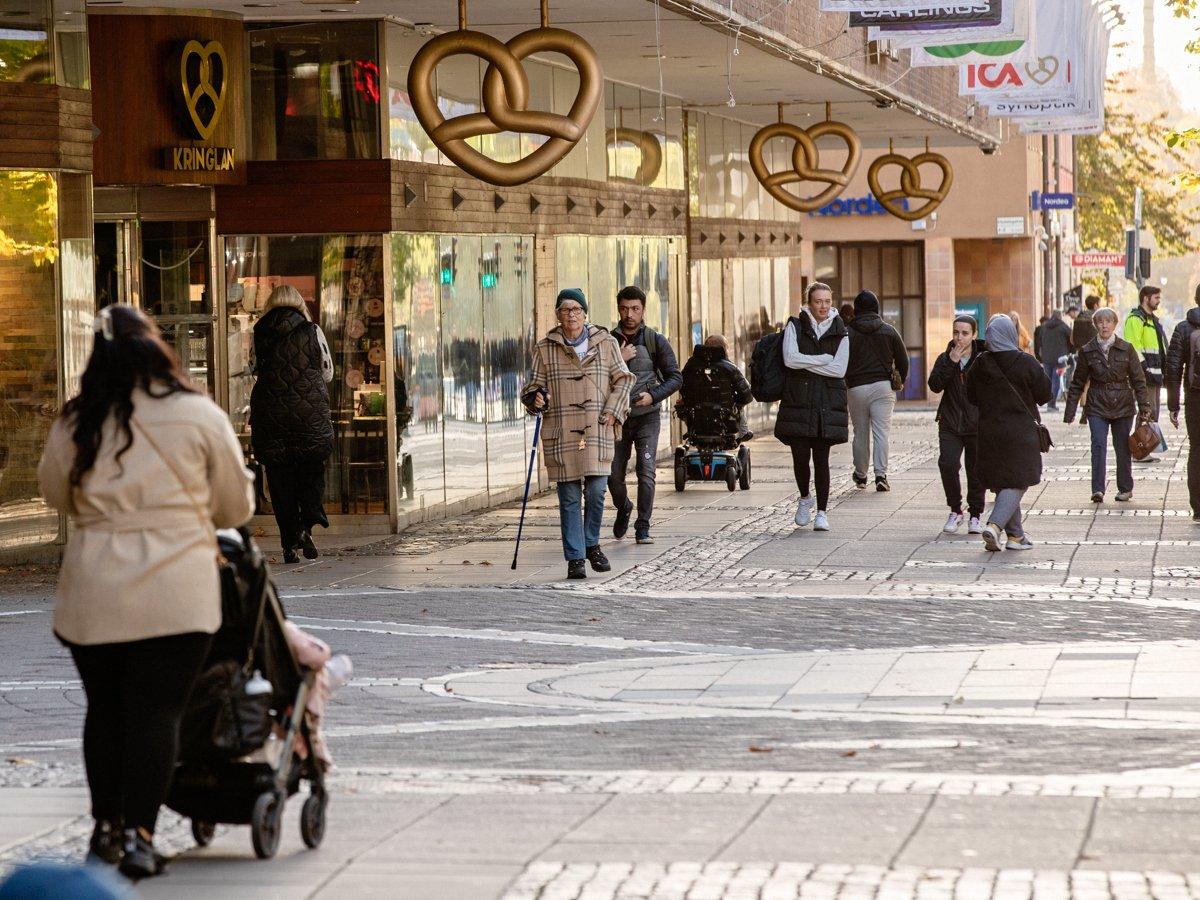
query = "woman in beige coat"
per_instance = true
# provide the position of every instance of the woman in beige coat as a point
(146, 468)
(581, 385)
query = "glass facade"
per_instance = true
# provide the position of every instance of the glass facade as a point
(315, 91)
(723, 185)
(896, 273)
(341, 279)
(45, 251)
(462, 327)
(44, 42)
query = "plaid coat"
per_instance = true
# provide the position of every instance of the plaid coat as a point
(574, 443)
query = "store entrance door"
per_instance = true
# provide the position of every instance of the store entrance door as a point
(115, 278)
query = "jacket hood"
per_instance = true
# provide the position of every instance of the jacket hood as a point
(281, 320)
(867, 323)
(556, 336)
(1193, 317)
(866, 302)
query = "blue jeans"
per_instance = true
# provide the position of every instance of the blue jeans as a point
(580, 516)
(1120, 441)
(1051, 370)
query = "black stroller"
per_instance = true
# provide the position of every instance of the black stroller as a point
(238, 745)
(712, 448)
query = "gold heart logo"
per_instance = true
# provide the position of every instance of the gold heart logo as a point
(1047, 68)
(505, 100)
(910, 184)
(647, 145)
(805, 159)
(203, 84)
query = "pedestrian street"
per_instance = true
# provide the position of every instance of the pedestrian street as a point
(741, 709)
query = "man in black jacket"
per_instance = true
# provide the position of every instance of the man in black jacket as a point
(652, 361)
(1052, 346)
(1083, 329)
(958, 422)
(876, 348)
(1183, 375)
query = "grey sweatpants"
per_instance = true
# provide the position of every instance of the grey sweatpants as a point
(871, 408)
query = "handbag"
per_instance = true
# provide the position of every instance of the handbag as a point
(1145, 439)
(894, 378)
(1045, 441)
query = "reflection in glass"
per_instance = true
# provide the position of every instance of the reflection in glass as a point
(29, 367)
(71, 43)
(315, 91)
(25, 42)
(507, 297)
(416, 350)
(462, 366)
(406, 136)
(175, 290)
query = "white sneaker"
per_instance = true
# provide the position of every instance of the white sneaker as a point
(821, 523)
(804, 511)
(993, 537)
(953, 523)
(1019, 543)
(974, 526)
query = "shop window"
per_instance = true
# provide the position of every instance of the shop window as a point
(71, 44)
(25, 41)
(315, 91)
(78, 264)
(341, 279)
(29, 366)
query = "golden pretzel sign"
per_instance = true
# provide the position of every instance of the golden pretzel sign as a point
(910, 183)
(805, 162)
(505, 99)
(648, 146)
(202, 82)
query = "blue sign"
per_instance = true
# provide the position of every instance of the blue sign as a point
(1040, 202)
(855, 206)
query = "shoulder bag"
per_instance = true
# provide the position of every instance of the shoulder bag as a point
(1045, 442)
(894, 378)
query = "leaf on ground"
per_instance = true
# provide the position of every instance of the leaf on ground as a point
(753, 748)
(958, 701)
(485, 563)
(594, 619)
(425, 610)
(848, 754)
(20, 761)
(467, 562)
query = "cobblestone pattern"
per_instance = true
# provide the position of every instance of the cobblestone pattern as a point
(1170, 784)
(789, 880)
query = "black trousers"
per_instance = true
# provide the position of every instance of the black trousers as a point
(136, 694)
(1191, 416)
(640, 432)
(818, 451)
(952, 448)
(297, 498)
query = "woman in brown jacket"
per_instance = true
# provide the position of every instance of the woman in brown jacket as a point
(146, 467)
(1109, 370)
(581, 385)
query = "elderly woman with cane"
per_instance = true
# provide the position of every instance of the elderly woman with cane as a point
(1007, 385)
(580, 385)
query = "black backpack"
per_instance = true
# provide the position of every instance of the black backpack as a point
(766, 368)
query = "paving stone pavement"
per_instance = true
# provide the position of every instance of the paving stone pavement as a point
(743, 709)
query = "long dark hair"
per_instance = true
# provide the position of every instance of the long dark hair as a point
(129, 353)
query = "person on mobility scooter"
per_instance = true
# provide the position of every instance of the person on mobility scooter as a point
(711, 402)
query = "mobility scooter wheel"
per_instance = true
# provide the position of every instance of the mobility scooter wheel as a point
(744, 466)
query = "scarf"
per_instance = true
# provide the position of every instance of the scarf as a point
(1105, 346)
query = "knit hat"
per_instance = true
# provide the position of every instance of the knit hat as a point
(575, 294)
(866, 302)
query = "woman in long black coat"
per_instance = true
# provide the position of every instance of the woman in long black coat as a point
(1007, 386)
(813, 414)
(290, 426)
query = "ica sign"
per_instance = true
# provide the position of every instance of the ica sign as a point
(203, 73)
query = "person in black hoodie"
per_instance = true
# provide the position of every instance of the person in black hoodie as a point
(876, 350)
(958, 424)
(290, 426)
(1183, 376)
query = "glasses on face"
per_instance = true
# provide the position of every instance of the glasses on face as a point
(570, 310)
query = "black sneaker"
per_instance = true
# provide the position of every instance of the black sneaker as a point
(621, 525)
(644, 538)
(881, 483)
(576, 568)
(598, 560)
(289, 556)
(860, 481)
(307, 545)
(139, 859)
(105, 845)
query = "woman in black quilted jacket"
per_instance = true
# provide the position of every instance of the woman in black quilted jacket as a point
(290, 426)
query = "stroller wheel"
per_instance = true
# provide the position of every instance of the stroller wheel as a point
(312, 820)
(264, 824)
(202, 832)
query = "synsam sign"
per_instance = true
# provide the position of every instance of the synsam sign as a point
(199, 159)
(855, 206)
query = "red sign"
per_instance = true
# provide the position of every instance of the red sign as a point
(1097, 260)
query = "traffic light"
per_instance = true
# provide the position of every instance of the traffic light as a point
(1131, 254)
(1144, 262)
